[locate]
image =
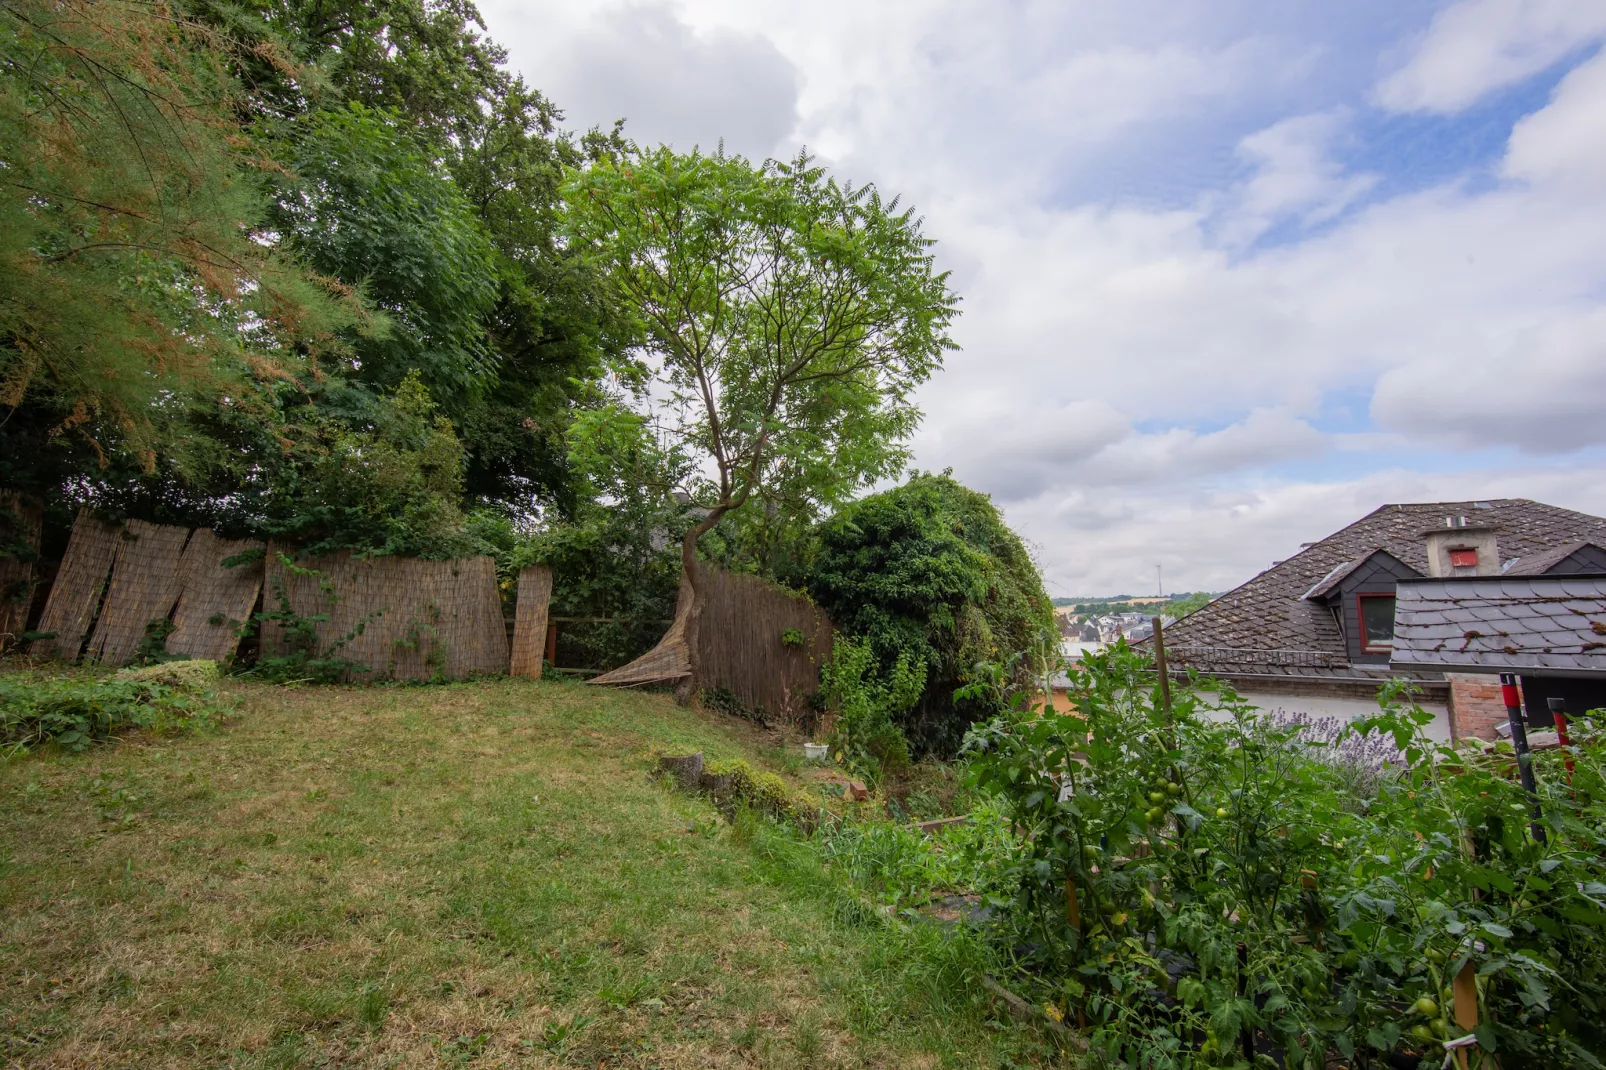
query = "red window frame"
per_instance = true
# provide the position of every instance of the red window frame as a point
(1360, 624)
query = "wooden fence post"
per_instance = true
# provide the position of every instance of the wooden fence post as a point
(530, 629)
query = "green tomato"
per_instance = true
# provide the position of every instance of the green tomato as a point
(1423, 1033)
(1222, 811)
(1440, 1027)
(1155, 815)
(1157, 797)
(1173, 790)
(1425, 1007)
(1434, 954)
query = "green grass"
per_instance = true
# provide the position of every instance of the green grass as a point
(467, 875)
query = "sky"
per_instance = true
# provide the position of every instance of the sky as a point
(1234, 272)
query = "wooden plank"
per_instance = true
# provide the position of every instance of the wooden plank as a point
(530, 621)
(21, 518)
(80, 583)
(145, 586)
(214, 602)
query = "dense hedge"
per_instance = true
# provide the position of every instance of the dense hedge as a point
(929, 572)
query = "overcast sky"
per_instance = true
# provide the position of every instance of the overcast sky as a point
(1235, 272)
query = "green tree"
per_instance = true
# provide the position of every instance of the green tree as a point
(135, 283)
(787, 317)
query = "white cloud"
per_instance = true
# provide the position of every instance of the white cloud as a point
(1478, 46)
(1296, 177)
(1144, 384)
(1564, 146)
(670, 82)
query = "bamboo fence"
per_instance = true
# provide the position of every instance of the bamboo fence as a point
(21, 518)
(145, 585)
(530, 621)
(214, 602)
(739, 642)
(739, 645)
(392, 617)
(80, 582)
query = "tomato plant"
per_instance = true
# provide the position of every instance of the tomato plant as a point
(1199, 884)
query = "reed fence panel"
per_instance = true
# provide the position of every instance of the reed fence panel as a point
(396, 618)
(21, 518)
(214, 602)
(530, 621)
(739, 642)
(80, 582)
(145, 586)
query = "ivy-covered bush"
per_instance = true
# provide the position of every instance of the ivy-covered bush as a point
(929, 575)
(1197, 883)
(77, 711)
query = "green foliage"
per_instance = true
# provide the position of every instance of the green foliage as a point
(618, 554)
(765, 792)
(791, 316)
(75, 712)
(134, 283)
(1228, 885)
(929, 575)
(867, 738)
(388, 484)
(362, 202)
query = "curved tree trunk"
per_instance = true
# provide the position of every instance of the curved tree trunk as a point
(674, 658)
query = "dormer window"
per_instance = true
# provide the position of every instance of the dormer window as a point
(1377, 622)
(1467, 558)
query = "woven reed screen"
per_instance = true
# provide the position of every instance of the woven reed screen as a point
(79, 584)
(530, 621)
(21, 518)
(398, 618)
(739, 642)
(214, 602)
(146, 583)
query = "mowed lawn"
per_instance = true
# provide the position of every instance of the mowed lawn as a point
(479, 874)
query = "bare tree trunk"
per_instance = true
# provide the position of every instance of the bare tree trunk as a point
(689, 611)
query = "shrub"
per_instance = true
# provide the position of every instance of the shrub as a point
(929, 575)
(867, 739)
(1232, 890)
(77, 711)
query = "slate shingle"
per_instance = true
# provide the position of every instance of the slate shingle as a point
(1269, 612)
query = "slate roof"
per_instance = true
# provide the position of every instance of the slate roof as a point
(1541, 563)
(1339, 574)
(1502, 623)
(1267, 626)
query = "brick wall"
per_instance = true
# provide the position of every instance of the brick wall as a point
(1475, 705)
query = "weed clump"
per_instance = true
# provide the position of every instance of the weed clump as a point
(75, 712)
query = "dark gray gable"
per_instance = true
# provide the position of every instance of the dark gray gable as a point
(1573, 559)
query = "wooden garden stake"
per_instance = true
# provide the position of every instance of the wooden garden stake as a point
(1159, 663)
(1465, 989)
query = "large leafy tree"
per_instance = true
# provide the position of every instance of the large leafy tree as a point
(787, 319)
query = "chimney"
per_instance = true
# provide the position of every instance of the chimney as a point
(1460, 549)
